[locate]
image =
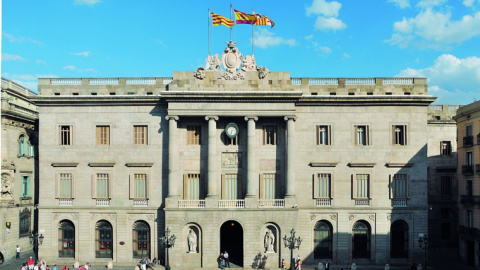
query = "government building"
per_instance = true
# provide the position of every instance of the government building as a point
(232, 157)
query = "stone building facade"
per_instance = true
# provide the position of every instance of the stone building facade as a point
(468, 127)
(19, 174)
(442, 180)
(232, 160)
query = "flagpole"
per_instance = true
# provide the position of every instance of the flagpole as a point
(253, 44)
(231, 28)
(208, 23)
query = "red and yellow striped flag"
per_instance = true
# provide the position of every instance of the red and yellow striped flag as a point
(263, 20)
(220, 20)
(244, 18)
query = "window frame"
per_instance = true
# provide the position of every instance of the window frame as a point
(316, 185)
(98, 135)
(445, 148)
(354, 186)
(95, 188)
(270, 139)
(140, 140)
(196, 138)
(132, 185)
(367, 134)
(186, 185)
(22, 145)
(239, 185)
(402, 138)
(277, 189)
(57, 185)
(392, 186)
(68, 137)
(328, 136)
(28, 185)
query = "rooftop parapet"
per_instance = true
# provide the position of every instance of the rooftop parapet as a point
(7, 84)
(274, 81)
(442, 113)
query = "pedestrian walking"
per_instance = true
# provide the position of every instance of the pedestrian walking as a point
(327, 265)
(18, 249)
(283, 264)
(227, 261)
(30, 263)
(299, 264)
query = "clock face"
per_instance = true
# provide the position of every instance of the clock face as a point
(232, 131)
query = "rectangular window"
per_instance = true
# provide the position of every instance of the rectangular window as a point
(361, 135)
(469, 131)
(469, 187)
(103, 135)
(66, 136)
(469, 159)
(399, 186)
(399, 135)
(65, 185)
(446, 186)
(192, 185)
(31, 148)
(469, 220)
(102, 186)
(268, 186)
(194, 135)
(322, 186)
(361, 189)
(445, 148)
(140, 135)
(230, 186)
(270, 135)
(26, 186)
(139, 186)
(324, 135)
(446, 230)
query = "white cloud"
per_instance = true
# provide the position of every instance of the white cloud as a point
(322, 49)
(346, 55)
(12, 57)
(13, 38)
(86, 2)
(468, 3)
(453, 80)
(430, 3)
(322, 7)
(434, 30)
(309, 37)
(84, 54)
(38, 61)
(334, 24)
(264, 39)
(74, 68)
(70, 67)
(401, 3)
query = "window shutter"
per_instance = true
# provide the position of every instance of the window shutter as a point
(405, 134)
(132, 185)
(317, 131)
(185, 186)
(71, 135)
(394, 135)
(223, 186)
(57, 185)
(110, 180)
(264, 135)
(147, 186)
(408, 186)
(73, 185)
(315, 186)
(94, 186)
(390, 185)
(329, 135)
(367, 135)
(201, 187)
(99, 131)
(261, 186)
(331, 186)
(27, 192)
(354, 186)
(370, 186)
(278, 187)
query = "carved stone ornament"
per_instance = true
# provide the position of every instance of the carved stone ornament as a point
(333, 217)
(213, 62)
(389, 216)
(350, 217)
(249, 63)
(262, 72)
(371, 217)
(7, 187)
(312, 217)
(231, 58)
(200, 74)
(20, 124)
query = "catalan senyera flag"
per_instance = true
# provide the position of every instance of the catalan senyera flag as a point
(263, 20)
(244, 18)
(221, 20)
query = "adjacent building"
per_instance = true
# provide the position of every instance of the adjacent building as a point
(442, 180)
(468, 128)
(19, 173)
(231, 158)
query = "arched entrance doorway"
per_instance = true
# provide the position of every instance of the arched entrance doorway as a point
(231, 240)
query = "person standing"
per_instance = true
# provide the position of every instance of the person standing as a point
(30, 263)
(227, 261)
(222, 261)
(327, 265)
(17, 256)
(299, 264)
(283, 264)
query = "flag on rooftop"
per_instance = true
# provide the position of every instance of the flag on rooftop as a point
(221, 20)
(263, 20)
(244, 18)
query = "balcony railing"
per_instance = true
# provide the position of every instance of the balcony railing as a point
(473, 232)
(467, 141)
(323, 202)
(103, 202)
(399, 202)
(191, 204)
(140, 202)
(280, 203)
(231, 204)
(469, 199)
(362, 202)
(467, 169)
(65, 202)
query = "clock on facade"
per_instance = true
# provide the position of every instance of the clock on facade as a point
(231, 130)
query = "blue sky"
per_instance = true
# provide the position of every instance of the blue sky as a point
(437, 39)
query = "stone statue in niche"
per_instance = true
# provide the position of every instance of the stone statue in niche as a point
(269, 241)
(7, 187)
(192, 241)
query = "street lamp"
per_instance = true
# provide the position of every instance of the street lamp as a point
(168, 241)
(36, 241)
(423, 243)
(292, 243)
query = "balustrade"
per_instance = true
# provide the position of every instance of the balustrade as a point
(102, 202)
(323, 202)
(399, 81)
(277, 203)
(143, 202)
(65, 202)
(191, 204)
(399, 202)
(231, 204)
(362, 202)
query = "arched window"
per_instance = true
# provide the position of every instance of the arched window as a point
(141, 240)
(361, 239)
(399, 239)
(103, 240)
(22, 146)
(323, 240)
(66, 239)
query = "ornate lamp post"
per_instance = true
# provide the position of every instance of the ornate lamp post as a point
(36, 241)
(423, 243)
(292, 243)
(168, 241)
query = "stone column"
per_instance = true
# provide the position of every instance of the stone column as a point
(213, 175)
(251, 198)
(172, 196)
(290, 158)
